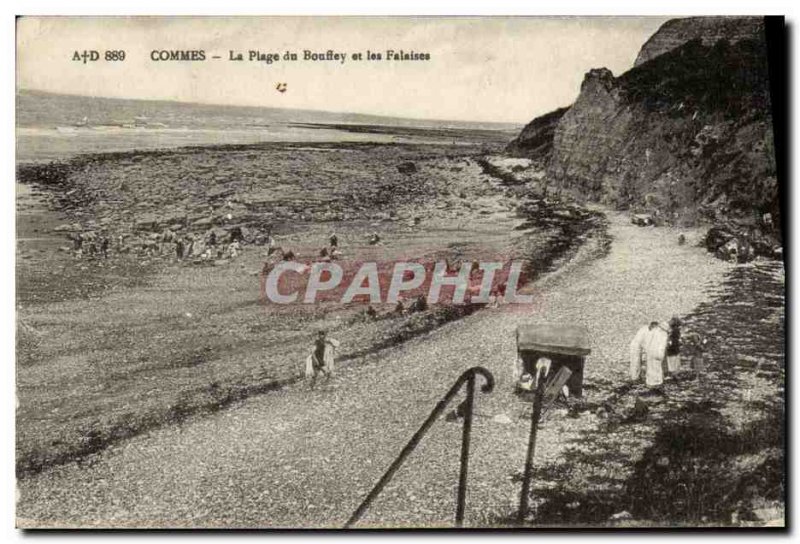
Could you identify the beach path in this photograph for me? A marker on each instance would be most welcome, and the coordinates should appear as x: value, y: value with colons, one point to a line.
x: 300, y: 458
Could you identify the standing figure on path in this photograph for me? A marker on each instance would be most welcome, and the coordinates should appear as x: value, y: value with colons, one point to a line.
x: 233, y: 249
x: 674, y: 346
x: 650, y: 344
x: 321, y: 360
x: 695, y: 347
x: 189, y: 250
x: 334, y: 240
x: 77, y: 242
x: 104, y: 246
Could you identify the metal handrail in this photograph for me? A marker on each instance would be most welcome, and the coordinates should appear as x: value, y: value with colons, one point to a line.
x: 469, y: 377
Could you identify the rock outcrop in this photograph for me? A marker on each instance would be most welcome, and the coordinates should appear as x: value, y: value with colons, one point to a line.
x: 536, y: 139
x: 709, y: 30
x: 684, y: 135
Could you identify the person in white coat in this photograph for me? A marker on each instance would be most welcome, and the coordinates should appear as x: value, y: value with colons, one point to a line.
x: 649, y: 344
x: 637, y: 350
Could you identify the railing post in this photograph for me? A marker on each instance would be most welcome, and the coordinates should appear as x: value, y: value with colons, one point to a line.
x: 465, y: 438
x: 526, y: 477
x: 469, y: 377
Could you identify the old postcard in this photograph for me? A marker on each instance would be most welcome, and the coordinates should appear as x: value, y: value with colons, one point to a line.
x: 400, y: 272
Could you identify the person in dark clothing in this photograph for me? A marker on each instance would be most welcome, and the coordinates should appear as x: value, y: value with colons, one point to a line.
x: 420, y: 304
x: 673, y: 358
x: 236, y: 235
x: 319, y: 350
x: 321, y: 359
x: 104, y: 247
x: 694, y: 347
x: 334, y: 240
x: 212, y: 238
x: 179, y: 248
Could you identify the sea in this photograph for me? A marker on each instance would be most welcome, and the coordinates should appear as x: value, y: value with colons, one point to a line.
x: 55, y: 126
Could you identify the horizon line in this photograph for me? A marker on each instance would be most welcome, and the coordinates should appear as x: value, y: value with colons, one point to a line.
x: 314, y: 110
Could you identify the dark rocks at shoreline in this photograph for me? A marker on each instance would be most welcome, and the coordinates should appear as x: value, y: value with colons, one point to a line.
x: 194, y: 189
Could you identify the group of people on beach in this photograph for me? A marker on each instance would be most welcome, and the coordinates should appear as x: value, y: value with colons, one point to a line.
x: 90, y: 244
x: 320, y: 362
x: 656, y: 347
x: 331, y: 252
x: 205, y: 248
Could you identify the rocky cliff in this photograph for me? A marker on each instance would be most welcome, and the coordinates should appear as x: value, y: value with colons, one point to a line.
x: 685, y: 134
x: 536, y: 139
x: 709, y: 30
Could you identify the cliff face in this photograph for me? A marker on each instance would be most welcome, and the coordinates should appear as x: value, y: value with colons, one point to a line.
x: 709, y: 30
x: 684, y: 135
x: 536, y: 139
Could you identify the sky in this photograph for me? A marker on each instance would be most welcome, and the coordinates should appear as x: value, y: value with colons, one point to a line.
x: 480, y: 69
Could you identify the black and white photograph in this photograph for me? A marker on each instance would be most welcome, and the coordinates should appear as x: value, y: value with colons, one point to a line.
x: 400, y: 272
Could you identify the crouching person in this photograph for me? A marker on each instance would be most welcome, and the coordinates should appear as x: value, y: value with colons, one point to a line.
x: 321, y: 359
x: 529, y: 381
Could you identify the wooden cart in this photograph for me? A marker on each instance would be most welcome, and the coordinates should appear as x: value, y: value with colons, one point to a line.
x: 565, y: 345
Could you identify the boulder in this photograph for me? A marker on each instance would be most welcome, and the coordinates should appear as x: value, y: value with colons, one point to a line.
x: 174, y: 218
x: 202, y: 222
x: 716, y: 237
x: 407, y: 167
x: 148, y: 221
x: 502, y: 419
x: 219, y: 192
x: 739, y: 244
x: 620, y: 516
x: 563, y: 214
x: 642, y: 220
x: 71, y: 227
x: 736, y: 250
